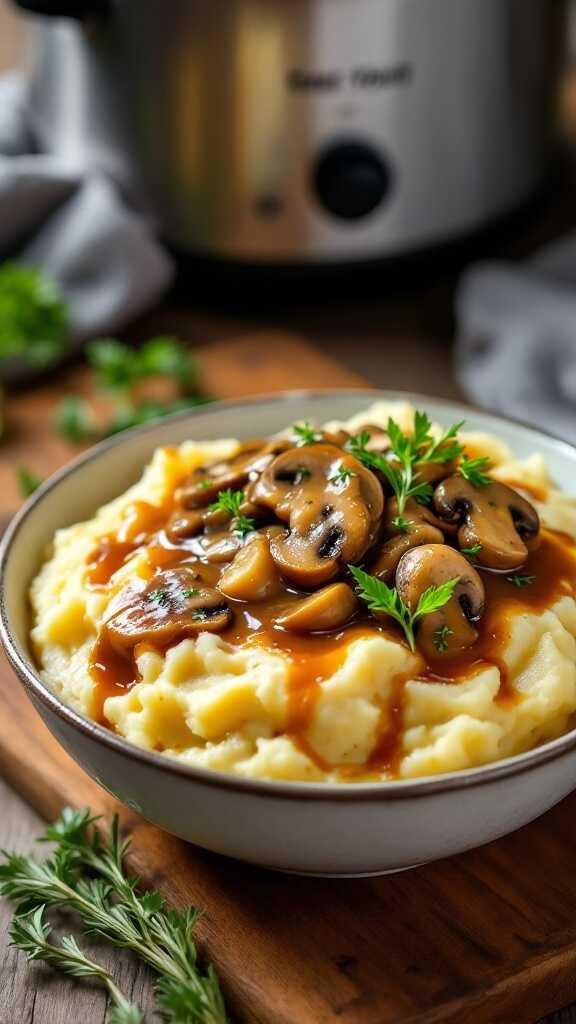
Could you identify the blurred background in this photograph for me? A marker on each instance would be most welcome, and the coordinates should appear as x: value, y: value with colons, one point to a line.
x: 389, y: 183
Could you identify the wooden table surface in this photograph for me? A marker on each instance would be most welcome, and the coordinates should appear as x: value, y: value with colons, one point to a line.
x: 395, y: 331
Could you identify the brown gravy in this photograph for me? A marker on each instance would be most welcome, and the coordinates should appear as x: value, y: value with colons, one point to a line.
x: 314, y: 658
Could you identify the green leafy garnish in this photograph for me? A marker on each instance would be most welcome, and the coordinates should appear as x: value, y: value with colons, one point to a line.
x: 229, y: 501
x: 472, y: 551
x: 31, y: 933
x: 401, y: 478
x: 520, y: 581
x: 28, y: 480
x: 305, y: 434
x: 441, y: 637
x: 147, y: 411
x: 385, y: 600
x: 119, y: 367
x: 341, y: 475
x: 33, y: 316
x: 73, y: 420
x: 191, y: 592
x: 401, y: 524
x: 474, y: 470
x: 159, y: 596
x: 85, y: 876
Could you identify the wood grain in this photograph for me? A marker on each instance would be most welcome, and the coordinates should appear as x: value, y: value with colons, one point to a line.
x: 486, y: 937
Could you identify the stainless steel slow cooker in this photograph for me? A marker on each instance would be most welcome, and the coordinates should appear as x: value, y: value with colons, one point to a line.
x: 303, y: 131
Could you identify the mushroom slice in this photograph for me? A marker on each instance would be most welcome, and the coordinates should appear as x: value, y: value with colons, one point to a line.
x: 217, y: 547
x: 174, y: 605
x: 253, y: 575
x: 333, y: 506
x: 450, y: 630
x: 391, y: 552
x: 328, y: 608
x: 379, y: 439
x: 184, y: 524
x: 495, y: 518
x: 204, y: 484
x: 415, y: 514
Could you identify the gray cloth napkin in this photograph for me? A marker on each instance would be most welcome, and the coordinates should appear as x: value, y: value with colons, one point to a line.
x: 76, y: 226
x: 516, y: 338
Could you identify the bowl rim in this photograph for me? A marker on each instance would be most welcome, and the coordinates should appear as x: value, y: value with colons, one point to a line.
x: 382, y: 790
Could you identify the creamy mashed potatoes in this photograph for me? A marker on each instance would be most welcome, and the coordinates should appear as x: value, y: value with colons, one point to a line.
x: 234, y: 707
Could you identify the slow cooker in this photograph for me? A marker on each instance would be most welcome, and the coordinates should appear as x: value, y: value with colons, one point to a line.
x: 302, y: 131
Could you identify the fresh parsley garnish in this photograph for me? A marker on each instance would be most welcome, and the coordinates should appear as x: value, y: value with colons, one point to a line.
x: 159, y: 596
x: 119, y: 367
x: 474, y: 470
x: 305, y: 434
x: 203, y: 485
x: 229, y: 501
x: 472, y: 551
x: 28, y: 480
x: 441, y: 638
x: 520, y: 581
x: 34, y: 323
x: 385, y: 600
x: 341, y: 475
x: 73, y: 420
x: 401, y: 524
x: 85, y: 875
x: 191, y: 592
x: 402, y: 478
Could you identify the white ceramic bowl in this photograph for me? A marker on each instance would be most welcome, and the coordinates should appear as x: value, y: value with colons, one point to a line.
x: 314, y: 828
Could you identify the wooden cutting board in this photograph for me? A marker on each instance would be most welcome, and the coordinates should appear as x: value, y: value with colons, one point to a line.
x: 483, y: 938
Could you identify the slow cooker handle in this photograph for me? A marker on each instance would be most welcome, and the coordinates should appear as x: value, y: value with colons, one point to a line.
x: 64, y: 8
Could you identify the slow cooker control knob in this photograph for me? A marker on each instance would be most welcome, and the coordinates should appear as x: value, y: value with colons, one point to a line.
x: 351, y: 179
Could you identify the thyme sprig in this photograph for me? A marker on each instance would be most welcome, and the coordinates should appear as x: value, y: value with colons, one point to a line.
x: 85, y: 874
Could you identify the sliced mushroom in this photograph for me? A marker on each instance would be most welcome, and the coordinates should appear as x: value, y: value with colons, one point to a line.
x: 415, y: 514
x: 184, y: 524
x: 216, y: 547
x: 495, y: 518
x: 379, y: 439
x: 253, y: 575
x: 328, y: 608
x: 450, y: 630
x: 391, y: 552
x: 204, y: 484
x: 174, y: 605
x: 333, y: 506
x: 336, y: 437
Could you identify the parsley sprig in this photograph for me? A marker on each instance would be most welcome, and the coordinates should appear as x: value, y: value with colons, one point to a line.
x: 230, y: 501
x: 385, y: 600
x: 475, y: 470
x: 519, y: 581
x: 305, y: 434
x: 410, y: 451
x: 28, y: 481
x: 85, y: 875
x: 34, y: 319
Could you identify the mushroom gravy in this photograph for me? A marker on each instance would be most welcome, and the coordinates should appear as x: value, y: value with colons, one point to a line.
x: 234, y: 608
x: 315, y: 656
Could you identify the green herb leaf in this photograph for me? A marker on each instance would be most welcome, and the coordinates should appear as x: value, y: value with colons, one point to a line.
x: 28, y: 480
x: 33, y: 316
x: 435, y: 598
x: 474, y: 470
x: 341, y: 475
x: 32, y: 934
x: 229, y: 501
x: 73, y: 420
x: 385, y: 600
x: 119, y: 366
x: 521, y: 581
x: 305, y: 434
x: 471, y: 552
x: 159, y: 596
x: 191, y: 592
x: 128, y: 416
x: 85, y: 875
x: 401, y: 524
x: 441, y: 637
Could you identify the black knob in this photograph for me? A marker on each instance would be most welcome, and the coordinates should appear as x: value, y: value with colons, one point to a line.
x: 351, y: 179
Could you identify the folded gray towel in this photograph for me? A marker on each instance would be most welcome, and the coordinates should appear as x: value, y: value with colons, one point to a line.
x: 516, y: 339
x: 103, y: 255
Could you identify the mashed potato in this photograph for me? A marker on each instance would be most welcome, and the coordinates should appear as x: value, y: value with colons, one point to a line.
x: 208, y: 703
